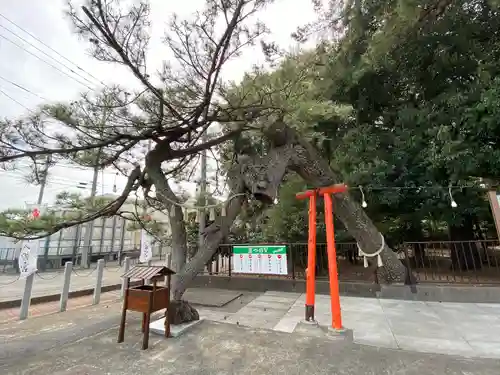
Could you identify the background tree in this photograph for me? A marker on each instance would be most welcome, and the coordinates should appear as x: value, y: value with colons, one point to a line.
x: 417, y: 82
x: 417, y: 78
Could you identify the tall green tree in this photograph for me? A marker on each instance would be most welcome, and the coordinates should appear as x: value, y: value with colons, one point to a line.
x: 418, y: 77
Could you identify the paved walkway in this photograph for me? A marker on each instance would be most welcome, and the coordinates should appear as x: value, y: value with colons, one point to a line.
x: 449, y: 328
x: 12, y: 314
x: 60, y: 343
x: 49, y: 283
x: 84, y: 342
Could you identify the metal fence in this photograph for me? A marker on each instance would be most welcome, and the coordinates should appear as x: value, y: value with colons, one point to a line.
x: 55, y: 257
x: 466, y: 262
x: 469, y: 262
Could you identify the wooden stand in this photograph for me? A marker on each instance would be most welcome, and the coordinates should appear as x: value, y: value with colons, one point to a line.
x: 146, y: 299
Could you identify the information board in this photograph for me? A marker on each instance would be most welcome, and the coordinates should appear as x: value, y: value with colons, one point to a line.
x: 260, y: 259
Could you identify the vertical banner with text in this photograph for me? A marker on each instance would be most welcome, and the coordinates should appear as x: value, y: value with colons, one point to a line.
x: 146, y: 247
x: 28, y: 258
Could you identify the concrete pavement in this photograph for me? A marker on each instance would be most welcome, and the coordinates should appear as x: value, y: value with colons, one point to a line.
x: 84, y: 342
x: 41, y: 309
x: 471, y: 330
x: 199, y: 296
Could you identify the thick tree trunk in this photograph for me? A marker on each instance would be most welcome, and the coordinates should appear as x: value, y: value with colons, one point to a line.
x: 316, y: 171
x: 181, y: 312
x: 178, y: 229
x: 261, y: 178
x: 257, y: 176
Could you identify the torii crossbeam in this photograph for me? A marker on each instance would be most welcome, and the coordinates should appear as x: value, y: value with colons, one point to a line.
x: 326, y: 192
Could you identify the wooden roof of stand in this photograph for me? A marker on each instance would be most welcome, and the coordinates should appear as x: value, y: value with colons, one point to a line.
x: 147, y: 272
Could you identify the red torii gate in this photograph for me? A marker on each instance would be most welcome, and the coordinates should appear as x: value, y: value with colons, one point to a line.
x: 331, y: 252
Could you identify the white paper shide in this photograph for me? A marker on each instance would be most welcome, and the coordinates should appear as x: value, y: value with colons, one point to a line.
x: 28, y: 258
x: 146, y: 247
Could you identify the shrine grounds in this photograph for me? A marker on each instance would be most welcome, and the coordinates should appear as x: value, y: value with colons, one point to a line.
x: 83, y: 341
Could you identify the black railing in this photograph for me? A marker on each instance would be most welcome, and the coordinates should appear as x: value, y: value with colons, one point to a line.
x: 464, y: 262
x: 473, y: 262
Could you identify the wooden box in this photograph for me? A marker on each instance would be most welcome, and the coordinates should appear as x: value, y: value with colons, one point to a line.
x: 146, y: 299
x: 138, y: 298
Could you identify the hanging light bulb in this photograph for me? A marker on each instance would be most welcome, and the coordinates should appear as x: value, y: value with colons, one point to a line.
x: 363, y: 201
x: 276, y: 201
x: 212, y: 214
x: 453, y: 203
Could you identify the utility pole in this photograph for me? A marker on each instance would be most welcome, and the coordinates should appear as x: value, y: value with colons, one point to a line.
x: 144, y: 208
x: 87, y: 241
x: 25, y: 302
x: 43, y: 183
x: 203, y: 193
x: 39, y: 201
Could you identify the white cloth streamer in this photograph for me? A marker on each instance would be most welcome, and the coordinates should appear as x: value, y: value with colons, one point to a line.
x: 28, y: 258
x: 146, y: 247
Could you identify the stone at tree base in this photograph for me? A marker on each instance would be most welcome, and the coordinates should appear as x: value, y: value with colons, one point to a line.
x: 158, y: 327
x: 182, y: 312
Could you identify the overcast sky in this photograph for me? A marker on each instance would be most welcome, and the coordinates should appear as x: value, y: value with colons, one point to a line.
x: 45, y: 20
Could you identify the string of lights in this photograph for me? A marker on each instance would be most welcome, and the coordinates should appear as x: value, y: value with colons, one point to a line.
x: 448, y: 188
x: 362, y: 189
x: 424, y: 187
x: 211, y: 208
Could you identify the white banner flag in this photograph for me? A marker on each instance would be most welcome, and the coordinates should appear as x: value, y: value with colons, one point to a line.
x: 28, y: 258
x: 146, y: 247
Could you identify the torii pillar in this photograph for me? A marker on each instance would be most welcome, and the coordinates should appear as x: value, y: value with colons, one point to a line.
x: 326, y: 192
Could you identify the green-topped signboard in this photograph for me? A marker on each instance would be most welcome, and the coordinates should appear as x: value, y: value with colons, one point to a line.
x: 260, y: 259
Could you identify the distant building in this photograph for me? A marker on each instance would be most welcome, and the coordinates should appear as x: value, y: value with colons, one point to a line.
x: 110, y: 237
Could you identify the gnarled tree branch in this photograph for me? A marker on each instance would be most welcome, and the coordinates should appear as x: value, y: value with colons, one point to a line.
x: 259, y: 176
x: 315, y: 170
